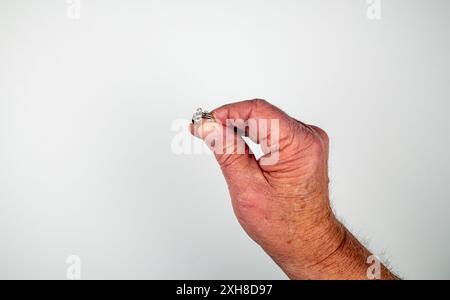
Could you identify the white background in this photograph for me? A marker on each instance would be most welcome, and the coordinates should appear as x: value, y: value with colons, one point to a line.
x: 86, y: 108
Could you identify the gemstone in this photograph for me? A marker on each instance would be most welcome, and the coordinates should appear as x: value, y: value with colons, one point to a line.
x: 198, y: 115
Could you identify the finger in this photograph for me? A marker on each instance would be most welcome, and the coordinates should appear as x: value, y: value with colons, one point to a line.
x: 241, y: 113
x: 238, y: 164
x: 262, y: 122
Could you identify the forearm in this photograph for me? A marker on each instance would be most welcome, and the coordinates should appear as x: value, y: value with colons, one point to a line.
x: 337, y: 255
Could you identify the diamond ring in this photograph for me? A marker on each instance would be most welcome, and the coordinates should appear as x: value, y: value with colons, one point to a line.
x: 201, y: 114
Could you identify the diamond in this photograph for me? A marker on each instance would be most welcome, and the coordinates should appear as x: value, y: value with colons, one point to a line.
x: 201, y: 114
x: 197, y: 117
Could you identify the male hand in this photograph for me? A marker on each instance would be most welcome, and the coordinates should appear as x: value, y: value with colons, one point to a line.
x: 282, y: 199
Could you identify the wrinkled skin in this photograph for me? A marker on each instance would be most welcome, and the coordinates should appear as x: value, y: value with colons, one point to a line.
x: 284, y: 206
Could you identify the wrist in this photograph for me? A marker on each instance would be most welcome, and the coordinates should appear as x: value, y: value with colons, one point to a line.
x: 318, y: 250
x: 335, y: 255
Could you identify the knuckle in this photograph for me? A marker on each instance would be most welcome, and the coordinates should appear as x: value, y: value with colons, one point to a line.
x: 315, y: 141
x: 259, y: 102
x: 322, y: 134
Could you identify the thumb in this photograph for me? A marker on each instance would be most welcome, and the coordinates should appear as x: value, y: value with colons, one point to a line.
x: 238, y: 164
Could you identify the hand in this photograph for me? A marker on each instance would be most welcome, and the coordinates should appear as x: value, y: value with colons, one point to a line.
x: 282, y: 199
